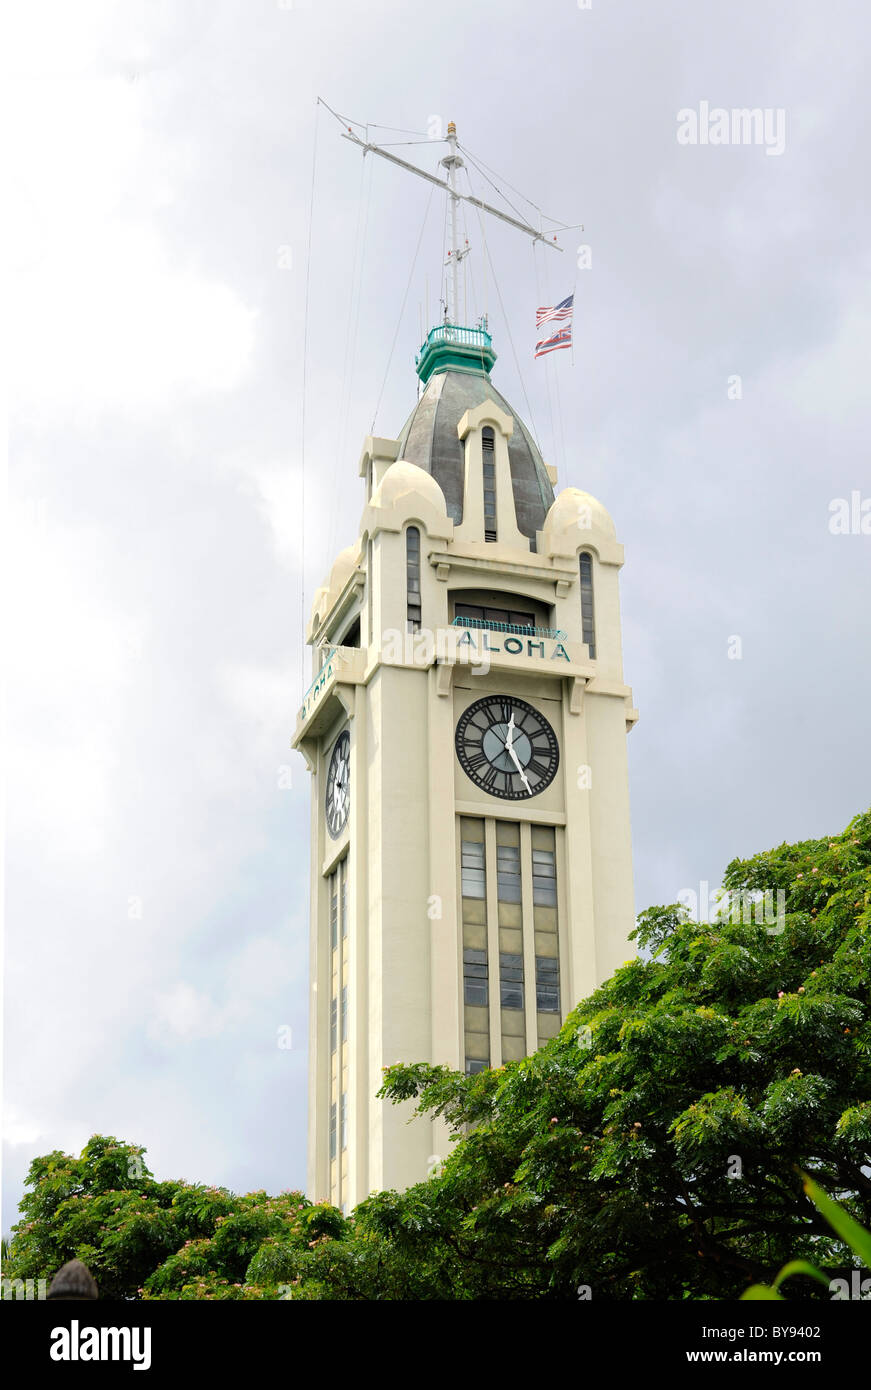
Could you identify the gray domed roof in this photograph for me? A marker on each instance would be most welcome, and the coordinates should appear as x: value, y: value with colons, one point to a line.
x: 429, y: 439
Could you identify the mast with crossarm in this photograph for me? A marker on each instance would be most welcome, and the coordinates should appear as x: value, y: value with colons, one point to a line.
x: 453, y: 162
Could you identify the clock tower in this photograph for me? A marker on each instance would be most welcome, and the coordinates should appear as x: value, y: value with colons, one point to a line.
x: 465, y: 731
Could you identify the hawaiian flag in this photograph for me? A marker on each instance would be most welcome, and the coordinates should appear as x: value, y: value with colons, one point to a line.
x: 559, y: 313
x: 562, y: 339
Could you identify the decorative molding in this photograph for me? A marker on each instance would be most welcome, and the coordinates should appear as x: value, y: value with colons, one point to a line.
x: 509, y: 812
x: 444, y: 676
x: 577, y: 686
x: 487, y: 413
x: 308, y: 747
x: 376, y: 448
x: 346, y: 696
x: 491, y: 562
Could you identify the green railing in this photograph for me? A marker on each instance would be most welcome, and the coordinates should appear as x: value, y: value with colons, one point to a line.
x: 556, y: 634
x: 321, y: 675
x: 463, y: 337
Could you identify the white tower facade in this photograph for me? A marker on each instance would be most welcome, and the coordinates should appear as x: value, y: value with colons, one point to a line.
x: 471, y: 871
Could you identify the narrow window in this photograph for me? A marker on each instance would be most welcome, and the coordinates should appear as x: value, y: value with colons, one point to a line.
x: 489, y: 458
x: 511, y: 980
x: 334, y: 913
x: 475, y: 977
x: 522, y: 620
x: 509, y: 619
x: 352, y: 636
x: 474, y: 1065
x: 473, y: 870
x: 344, y: 1119
x: 544, y: 877
x: 344, y: 871
x: 547, y: 985
x: 508, y: 873
x: 412, y: 578
x: 333, y: 1130
x: 588, y: 630
x: 344, y: 1013
x: 334, y: 1004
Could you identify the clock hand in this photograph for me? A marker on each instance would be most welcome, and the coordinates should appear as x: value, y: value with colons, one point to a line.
x: 509, y: 748
x: 520, y: 769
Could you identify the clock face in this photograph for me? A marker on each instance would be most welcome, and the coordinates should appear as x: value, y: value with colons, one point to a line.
x: 338, y: 799
x: 506, y: 747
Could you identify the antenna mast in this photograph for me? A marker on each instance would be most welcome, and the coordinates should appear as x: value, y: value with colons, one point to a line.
x: 452, y: 162
x: 452, y: 340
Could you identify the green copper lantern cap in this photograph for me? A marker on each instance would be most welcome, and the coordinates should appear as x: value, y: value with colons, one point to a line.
x: 451, y: 348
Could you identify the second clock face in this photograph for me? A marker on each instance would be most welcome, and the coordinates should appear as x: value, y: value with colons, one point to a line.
x: 338, y: 799
x: 506, y: 747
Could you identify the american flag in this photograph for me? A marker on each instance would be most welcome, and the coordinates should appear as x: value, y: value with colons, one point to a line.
x: 558, y: 314
x: 561, y: 339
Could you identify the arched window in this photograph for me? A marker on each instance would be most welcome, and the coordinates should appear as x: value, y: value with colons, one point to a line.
x: 588, y: 627
x: 488, y: 446
x: 412, y: 577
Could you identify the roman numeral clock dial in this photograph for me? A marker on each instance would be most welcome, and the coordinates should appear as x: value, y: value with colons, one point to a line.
x: 506, y: 747
x: 338, y: 797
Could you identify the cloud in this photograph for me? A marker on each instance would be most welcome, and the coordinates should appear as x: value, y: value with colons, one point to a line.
x: 276, y: 492
x: 107, y: 317
x: 153, y: 333
x: 71, y: 652
x: 185, y: 1014
x: 19, y: 1127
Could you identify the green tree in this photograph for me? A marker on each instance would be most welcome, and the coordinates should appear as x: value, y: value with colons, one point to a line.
x: 147, y: 1239
x: 653, y: 1149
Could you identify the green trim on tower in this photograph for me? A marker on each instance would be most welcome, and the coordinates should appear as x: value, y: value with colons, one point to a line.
x: 455, y: 349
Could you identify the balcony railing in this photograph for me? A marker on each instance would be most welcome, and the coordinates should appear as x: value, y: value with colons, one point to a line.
x: 331, y: 651
x: 556, y: 634
x: 462, y: 337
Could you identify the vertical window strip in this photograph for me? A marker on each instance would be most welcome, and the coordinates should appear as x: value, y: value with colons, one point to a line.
x: 508, y: 873
x: 547, y: 985
x: 475, y: 989
x: 474, y: 873
x: 333, y: 1130
x: 344, y: 1121
x: 334, y: 909
x: 344, y: 1013
x: 588, y: 629
x: 412, y: 578
x: 511, y: 980
x: 488, y: 454
x: 334, y: 1004
x: 544, y: 877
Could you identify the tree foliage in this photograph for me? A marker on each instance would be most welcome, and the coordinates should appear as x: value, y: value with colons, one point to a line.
x: 654, y: 1149
x: 147, y: 1239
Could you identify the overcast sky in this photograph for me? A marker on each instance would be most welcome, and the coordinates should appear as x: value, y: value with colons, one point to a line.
x: 156, y: 875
